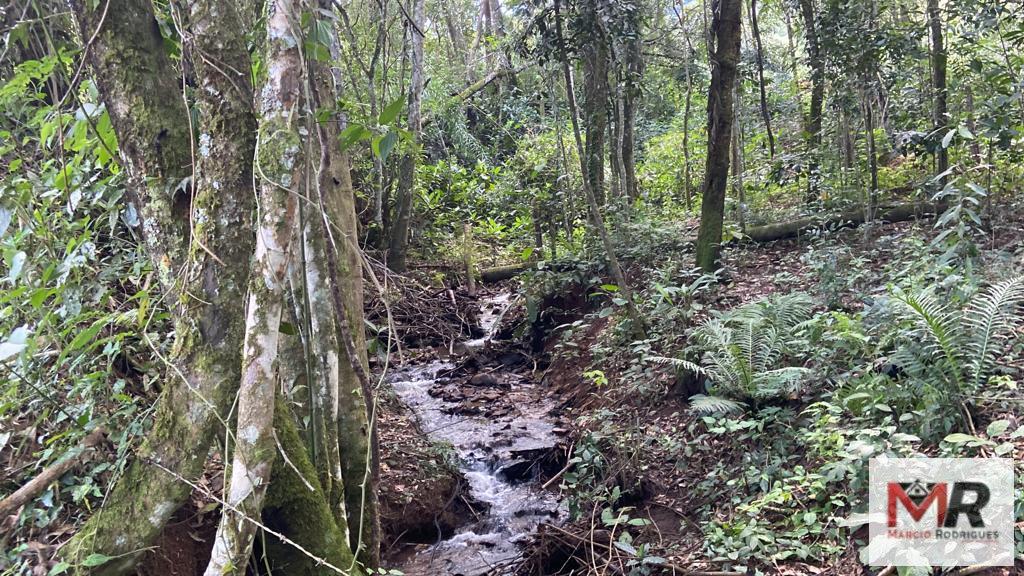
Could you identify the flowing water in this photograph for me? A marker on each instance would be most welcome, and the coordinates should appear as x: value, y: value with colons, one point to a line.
x: 494, y: 453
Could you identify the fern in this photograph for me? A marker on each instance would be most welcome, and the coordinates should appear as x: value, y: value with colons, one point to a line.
x: 990, y: 317
x: 950, y: 352
x: 715, y: 405
x: 741, y: 351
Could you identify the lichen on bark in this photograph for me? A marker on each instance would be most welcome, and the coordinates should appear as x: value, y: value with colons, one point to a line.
x: 139, y: 85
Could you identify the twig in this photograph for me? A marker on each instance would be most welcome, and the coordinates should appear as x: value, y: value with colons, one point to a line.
x: 51, y: 474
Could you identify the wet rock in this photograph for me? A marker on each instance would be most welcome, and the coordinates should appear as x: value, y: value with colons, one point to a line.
x: 517, y: 471
x: 486, y: 379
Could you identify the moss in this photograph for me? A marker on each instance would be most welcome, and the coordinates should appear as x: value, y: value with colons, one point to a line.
x: 302, y: 515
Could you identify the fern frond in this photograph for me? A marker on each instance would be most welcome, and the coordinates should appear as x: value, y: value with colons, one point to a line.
x: 781, y: 382
x: 702, y: 404
x: 937, y: 326
x: 678, y: 363
x: 790, y: 310
x: 990, y: 316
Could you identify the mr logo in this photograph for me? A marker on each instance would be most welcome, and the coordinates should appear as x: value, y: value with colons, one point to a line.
x: 917, y: 497
x: 940, y: 512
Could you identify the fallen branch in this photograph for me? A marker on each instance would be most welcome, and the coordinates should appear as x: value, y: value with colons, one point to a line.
x: 48, y: 476
x: 675, y: 568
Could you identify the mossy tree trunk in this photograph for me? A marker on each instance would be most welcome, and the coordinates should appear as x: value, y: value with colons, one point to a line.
x: 299, y: 508
x: 199, y: 237
x: 595, y: 99
x: 281, y: 169
x: 724, y: 53
x: 350, y: 417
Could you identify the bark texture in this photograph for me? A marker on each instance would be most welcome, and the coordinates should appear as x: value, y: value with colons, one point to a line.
x: 407, y: 173
x: 298, y: 508
x: 281, y: 167
x: 200, y: 241
x: 812, y: 126
x: 341, y: 346
x: 724, y: 54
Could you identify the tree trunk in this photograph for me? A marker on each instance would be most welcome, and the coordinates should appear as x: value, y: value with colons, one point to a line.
x: 765, y: 114
x: 281, y: 166
x: 737, y: 165
x: 138, y: 83
x: 687, y: 180
x: 869, y: 127
x: 633, y: 78
x: 813, y: 121
x: 407, y: 176
x: 595, y: 100
x: 939, y: 110
x: 334, y: 239
x: 724, y: 54
x: 847, y: 219
x: 595, y: 209
x: 298, y: 508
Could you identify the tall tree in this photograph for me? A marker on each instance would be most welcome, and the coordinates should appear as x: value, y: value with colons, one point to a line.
x: 592, y: 203
x: 812, y: 124
x: 940, y: 94
x: 632, y: 90
x: 595, y: 95
x: 337, y: 272
x: 724, y: 53
x: 765, y: 113
x: 407, y: 175
x: 281, y: 167
x: 198, y: 232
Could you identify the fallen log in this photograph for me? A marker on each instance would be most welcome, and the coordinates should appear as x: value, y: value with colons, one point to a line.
x: 499, y: 273
x: 846, y: 219
x: 35, y: 486
x: 779, y: 231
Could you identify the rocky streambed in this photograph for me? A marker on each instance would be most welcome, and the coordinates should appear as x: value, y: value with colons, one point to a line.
x: 484, y: 401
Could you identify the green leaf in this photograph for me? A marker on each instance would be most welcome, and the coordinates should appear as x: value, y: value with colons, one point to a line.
x: 959, y: 438
x: 997, y: 427
x: 948, y: 138
x: 96, y: 559
x: 354, y: 133
x: 609, y: 287
x: 59, y: 568
x: 526, y: 254
x: 390, y: 112
x: 387, y: 144
x: 84, y: 337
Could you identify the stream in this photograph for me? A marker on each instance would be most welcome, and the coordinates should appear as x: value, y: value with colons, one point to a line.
x: 499, y: 425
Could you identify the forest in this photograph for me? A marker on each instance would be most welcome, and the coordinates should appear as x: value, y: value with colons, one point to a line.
x: 512, y: 287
